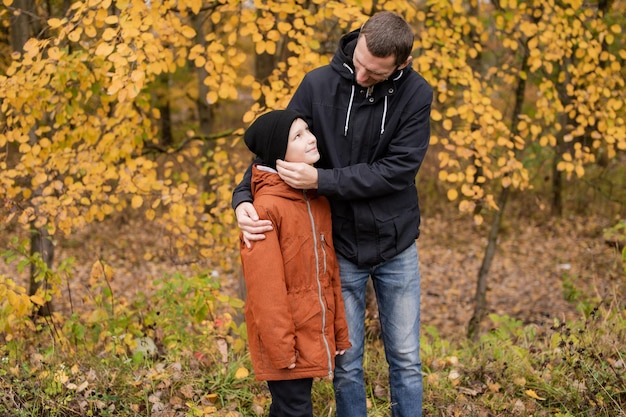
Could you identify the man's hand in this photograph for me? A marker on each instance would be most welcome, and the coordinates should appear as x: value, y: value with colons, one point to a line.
x: 249, y: 223
x: 298, y: 175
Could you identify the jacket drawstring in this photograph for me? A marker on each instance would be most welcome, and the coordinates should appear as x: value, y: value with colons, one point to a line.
x: 382, y: 123
x: 384, y: 118
x: 345, y: 128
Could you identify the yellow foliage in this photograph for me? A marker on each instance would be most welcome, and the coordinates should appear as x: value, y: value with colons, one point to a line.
x: 82, y: 108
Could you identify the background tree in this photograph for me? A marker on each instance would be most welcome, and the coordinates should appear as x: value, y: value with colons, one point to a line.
x: 139, y: 107
x: 493, y: 139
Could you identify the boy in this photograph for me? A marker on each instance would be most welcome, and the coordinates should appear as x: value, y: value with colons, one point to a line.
x: 294, y: 310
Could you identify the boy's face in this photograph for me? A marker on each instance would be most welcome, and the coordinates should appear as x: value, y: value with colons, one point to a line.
x: 302, y: 144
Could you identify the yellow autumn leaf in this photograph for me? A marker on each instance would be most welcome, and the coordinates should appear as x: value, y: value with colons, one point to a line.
x: 104, y: 49
x: 54, y: 22
x: 108, y: 272
x: 241, y: 373
x: 109, y: 34
x: 111, y: 20
x: 260, y: 47
x: 211, y: 397
x: 188, y: 32
x: 216, y: 17
x: 270, y: 47
x: 532, y: 394
x: 453, y: 194
x: 116, y: 85
x: 137, y: 201
x: 284, y: 27
x: 37, y: 299
x: 17, y: 302
x: 39, y: 179
x: 211, y: 97
x: 74, y: 35
x: 580, y: 171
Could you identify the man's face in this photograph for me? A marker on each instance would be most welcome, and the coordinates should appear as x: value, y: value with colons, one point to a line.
x: 370, y: 69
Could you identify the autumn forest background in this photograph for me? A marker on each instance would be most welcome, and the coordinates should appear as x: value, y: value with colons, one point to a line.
x: 120, y: 144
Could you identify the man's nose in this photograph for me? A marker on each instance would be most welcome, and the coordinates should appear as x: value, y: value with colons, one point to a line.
x: 361, y: 75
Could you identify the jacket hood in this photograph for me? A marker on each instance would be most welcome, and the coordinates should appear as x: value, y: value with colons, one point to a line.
x: 343, y: 64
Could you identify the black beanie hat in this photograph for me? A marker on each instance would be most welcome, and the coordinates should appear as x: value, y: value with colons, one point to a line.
x: 267, y: 137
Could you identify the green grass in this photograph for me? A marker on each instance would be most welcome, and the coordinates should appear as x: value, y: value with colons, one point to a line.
x: 568, y: 369
x: 90, y: 365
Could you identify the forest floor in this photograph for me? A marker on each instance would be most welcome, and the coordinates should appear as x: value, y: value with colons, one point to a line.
x: 539, y: 273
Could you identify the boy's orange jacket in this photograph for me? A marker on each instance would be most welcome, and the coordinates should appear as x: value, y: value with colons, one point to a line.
x: 294, y: 309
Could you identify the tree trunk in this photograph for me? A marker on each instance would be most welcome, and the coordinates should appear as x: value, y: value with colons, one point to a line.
x: 557, y: 190
x: 165, y: 109
x: 23, y: 26
x: 480, y: 299
x: 205, y: 116
x: 41, y: 243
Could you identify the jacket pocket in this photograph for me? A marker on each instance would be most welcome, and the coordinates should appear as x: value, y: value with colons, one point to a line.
x: 396, y: 218
x: 307, y: 316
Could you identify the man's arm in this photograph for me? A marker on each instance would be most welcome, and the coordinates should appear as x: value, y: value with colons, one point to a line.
x: 390, y: 173
x: 248, y: 221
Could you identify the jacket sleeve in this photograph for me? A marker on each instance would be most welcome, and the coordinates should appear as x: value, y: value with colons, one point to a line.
x: 264, y: 275
x: 393, y: 170
x: 243, y: 191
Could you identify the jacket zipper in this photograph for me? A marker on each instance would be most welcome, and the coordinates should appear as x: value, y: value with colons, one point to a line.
x: 319, y: 284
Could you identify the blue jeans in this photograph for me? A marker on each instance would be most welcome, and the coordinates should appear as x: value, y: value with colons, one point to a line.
x: 397, y: 287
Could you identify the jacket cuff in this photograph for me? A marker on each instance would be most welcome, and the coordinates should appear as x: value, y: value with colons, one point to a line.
x: 325, y: 182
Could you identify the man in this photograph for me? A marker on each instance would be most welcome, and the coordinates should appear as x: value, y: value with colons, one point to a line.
x: 371, y: 114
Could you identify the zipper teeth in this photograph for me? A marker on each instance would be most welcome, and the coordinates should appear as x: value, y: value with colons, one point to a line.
x: 319, y: 284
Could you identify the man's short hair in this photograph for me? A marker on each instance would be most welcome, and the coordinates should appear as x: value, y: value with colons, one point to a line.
x: 388, y: 34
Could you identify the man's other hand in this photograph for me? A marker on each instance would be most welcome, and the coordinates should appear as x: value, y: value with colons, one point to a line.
x: 248, y: 221
x: 298, y: 175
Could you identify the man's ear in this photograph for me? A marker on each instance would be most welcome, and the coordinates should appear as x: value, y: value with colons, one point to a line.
x: 407, y: 62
